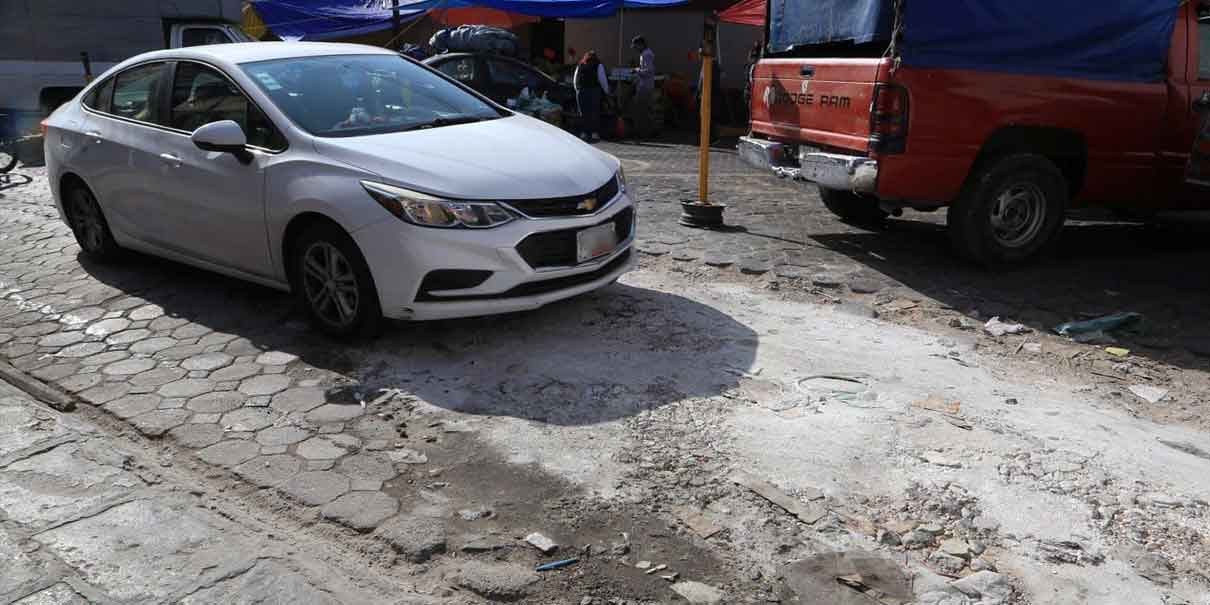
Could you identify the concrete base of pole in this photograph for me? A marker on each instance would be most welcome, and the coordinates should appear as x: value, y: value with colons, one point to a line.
x: 702, y: 216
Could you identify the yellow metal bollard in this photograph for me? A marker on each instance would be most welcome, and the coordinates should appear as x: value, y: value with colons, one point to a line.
x: 703, y: 164
x: 702, y: 213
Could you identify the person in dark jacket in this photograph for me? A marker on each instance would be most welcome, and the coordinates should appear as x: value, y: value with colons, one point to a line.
x: 591, y: 86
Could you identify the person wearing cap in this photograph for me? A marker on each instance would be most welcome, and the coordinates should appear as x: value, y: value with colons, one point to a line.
x: 640, y: 109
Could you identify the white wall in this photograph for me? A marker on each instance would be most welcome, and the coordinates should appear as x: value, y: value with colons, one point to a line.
x: 672, y: 33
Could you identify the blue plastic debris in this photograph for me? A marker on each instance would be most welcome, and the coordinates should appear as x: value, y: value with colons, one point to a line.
x: 1107, y: 323
x: 556, y: 564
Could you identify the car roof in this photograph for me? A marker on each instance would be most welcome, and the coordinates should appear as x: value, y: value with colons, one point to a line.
x: 486, y: 55
x: 247, y: 52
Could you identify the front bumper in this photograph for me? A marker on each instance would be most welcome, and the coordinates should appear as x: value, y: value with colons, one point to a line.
x: 831, y: 170
x: 400, y: 255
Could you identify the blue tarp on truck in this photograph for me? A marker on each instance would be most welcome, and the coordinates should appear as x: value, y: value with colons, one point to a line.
x: 1125, y: 40
x: 808, y: 22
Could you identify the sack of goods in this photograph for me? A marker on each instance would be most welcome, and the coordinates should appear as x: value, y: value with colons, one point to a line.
x: 475, y: 38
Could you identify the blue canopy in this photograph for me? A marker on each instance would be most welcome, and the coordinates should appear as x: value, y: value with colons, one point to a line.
x: 1125, y: 40
x: 328, y: 19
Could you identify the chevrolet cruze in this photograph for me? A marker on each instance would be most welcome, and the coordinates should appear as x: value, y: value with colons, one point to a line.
x: 365, y: 183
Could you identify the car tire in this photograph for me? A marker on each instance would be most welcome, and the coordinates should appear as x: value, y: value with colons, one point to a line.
x: 88, y: 224
x: 852, y: 207
x: 1010, y: 210
x: 331, y: 280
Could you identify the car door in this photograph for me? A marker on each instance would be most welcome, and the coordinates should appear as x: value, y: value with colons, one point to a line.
x: 212, y: 204
x: 118, y: 150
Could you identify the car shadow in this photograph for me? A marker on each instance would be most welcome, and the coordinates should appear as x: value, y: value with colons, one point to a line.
x: 602, y: 356
x: 1094, y: 269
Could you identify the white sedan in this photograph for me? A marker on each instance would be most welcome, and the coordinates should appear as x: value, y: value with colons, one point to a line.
x: 366, y: 183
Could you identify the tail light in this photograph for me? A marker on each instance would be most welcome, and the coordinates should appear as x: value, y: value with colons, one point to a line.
x: 44, y: 126
x: 889, y: 119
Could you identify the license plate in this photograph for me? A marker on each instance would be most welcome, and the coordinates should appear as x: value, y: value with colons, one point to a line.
x: 596, y: 241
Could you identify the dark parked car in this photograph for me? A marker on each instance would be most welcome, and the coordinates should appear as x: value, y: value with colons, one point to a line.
x: 502, y: 78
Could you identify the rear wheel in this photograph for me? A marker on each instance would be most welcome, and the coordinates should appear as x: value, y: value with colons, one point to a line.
x: 333, y: 282
x: 852, y: 207
x: 88, y: 223
x: 1010, y: 210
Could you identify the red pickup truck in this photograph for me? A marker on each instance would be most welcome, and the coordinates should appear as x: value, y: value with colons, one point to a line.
x: 920, y: 117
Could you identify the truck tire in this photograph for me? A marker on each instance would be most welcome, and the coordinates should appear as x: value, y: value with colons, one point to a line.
x: 852, y: 207
x: 1009, y: 210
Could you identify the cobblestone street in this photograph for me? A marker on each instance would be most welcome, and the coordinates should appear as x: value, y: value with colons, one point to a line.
x: 430, y: 453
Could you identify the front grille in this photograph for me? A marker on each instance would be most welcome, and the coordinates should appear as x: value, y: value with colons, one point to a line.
x: 558, y: 248
x: 535, y: 288
x: 575, y: 205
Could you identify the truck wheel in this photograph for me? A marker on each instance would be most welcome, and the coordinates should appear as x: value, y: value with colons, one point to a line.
x: 852, y: 207
x: 1009, y: 211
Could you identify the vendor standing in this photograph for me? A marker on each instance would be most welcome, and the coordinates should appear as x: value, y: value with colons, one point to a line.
x: 591, y: 84
x: 640, y: 109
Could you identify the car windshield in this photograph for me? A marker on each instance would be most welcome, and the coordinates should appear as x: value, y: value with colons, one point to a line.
x: 355, y: 95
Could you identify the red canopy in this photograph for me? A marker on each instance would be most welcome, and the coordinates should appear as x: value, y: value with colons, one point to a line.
x: 481, y: 16
x: 746, y: 12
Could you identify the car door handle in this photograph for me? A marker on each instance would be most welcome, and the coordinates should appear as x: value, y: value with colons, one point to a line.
x: 94, y: 135
x: 171, y: 159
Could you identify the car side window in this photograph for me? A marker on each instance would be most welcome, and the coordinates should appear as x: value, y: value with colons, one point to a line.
x: 200, y: 36
x: 201, y: 95
x: 136, y: 93
x: 462, y: 69
x: 512, y: 74
x: 100, y: 97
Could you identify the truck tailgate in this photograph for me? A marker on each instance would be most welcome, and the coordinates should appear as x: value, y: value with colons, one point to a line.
x: 821, y: 101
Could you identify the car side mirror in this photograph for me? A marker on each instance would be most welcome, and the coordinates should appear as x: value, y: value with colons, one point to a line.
x: 224, y: 136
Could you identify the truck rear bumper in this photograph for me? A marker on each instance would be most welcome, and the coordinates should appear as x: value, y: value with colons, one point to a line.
x: 831, y: 170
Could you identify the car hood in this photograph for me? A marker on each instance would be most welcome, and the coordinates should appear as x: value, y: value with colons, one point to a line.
x: 515, y: 157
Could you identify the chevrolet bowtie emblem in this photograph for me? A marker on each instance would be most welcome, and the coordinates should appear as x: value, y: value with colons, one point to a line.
x: 588, y: 204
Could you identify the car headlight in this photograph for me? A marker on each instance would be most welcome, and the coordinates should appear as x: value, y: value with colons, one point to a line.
x: 621, y: 178
x: 428, y: 211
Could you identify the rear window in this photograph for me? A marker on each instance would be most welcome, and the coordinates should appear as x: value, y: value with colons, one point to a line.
x: 136, y: 93
x: 201, y: 36
x: 99, y: 98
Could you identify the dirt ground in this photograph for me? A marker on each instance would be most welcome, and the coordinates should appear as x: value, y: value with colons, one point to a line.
x: 800, y: 411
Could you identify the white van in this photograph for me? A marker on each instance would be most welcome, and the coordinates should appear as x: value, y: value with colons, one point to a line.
x: 48, y: 44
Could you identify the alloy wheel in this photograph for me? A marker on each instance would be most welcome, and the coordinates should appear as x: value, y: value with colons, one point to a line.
x: 330, y: 284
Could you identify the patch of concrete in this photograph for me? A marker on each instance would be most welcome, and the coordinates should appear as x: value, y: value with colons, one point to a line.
x: 147, y: 550
x: 58, y: 594
x: 60, y: 484
x: 266, y: 582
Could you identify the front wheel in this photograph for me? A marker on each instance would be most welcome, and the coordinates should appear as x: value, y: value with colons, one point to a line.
x: 852, y: 207
x: 333, y: 283
x: 1010, y: 210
